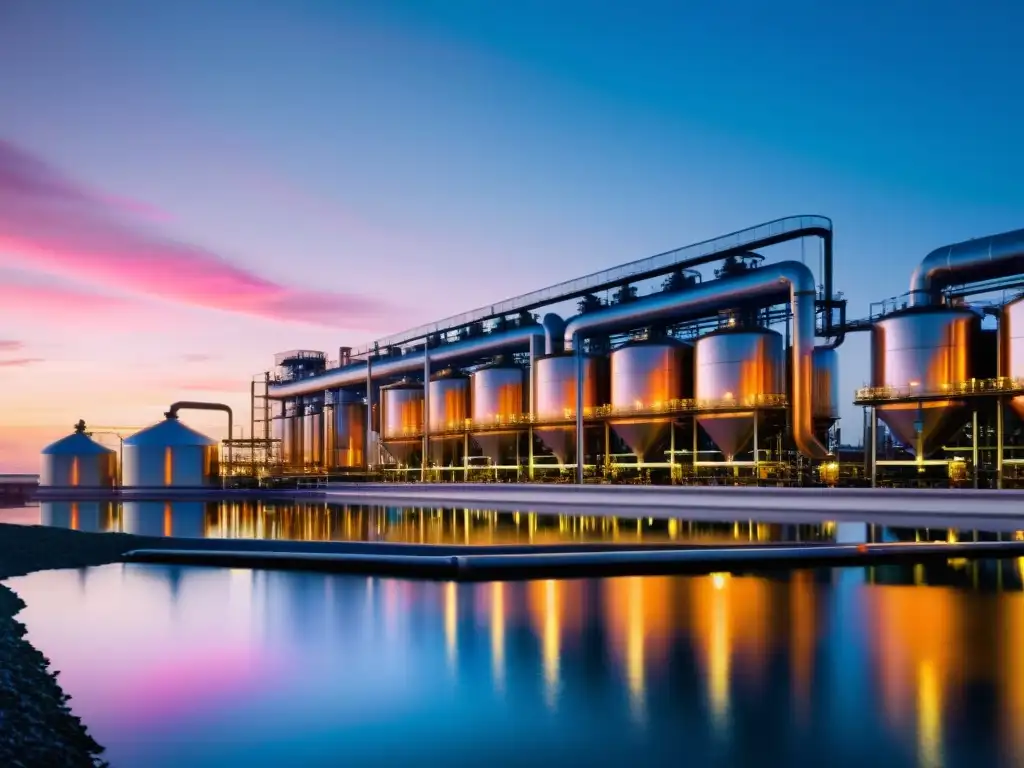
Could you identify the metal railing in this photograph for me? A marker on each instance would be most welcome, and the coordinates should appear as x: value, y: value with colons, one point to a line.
x: 997, y: 386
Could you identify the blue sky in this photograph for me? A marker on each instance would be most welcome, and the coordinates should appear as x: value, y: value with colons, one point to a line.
x: 430, y: 157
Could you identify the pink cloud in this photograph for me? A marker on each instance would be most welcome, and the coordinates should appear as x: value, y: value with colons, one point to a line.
x: 50, y: 223
x: 9, y: 345
x: 19, y: 292
x: 19, y: 362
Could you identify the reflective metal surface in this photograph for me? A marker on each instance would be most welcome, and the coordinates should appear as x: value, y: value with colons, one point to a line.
x: 742, y: 365
x: 984, y: 258
x: 170, y: 454
x: 499, y: 395
x: 78, y: 461
x: 825, y: 397
x: 927, y: 350
x: 1011, y: 340
x: 449, y: 401
x: 185, y: 519
x: 763, y: 285
x: 89, y: 516
x: 648, y: 374
x: 345, y: 436
x: 555, y: 399
x: 313, y: 436
x: 402, y: 419
x: 292, y: 444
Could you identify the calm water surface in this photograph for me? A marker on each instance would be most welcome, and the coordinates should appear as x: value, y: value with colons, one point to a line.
x: 888, y: 666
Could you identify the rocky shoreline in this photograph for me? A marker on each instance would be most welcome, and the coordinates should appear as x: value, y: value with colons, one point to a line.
x: 37, y: 726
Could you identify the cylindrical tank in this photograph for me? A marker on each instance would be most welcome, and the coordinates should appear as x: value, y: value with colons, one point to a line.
x: 293, y: 443
x: 825, y: 386
x: 647, y: 376
x: 740, y: 366
x: 917, y: 351
x: 313, y: 436
x: 498, y: 398
x: 345, y: 438
x: 92, y: 516
x: 555, y: 399
x: 449, y: 411
x: 78, y: 461
x: 170, y: 454
x: 184, y: 519
x: 402, y: 419
x: 279, y: 431
x: 1011, y: 340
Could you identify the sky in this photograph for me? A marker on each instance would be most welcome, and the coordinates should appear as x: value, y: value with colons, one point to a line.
x: 187, y: 188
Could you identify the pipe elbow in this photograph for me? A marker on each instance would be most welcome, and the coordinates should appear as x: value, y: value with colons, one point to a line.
x: 554, y: 330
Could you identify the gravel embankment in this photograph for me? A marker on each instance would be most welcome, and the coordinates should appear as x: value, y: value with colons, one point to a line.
x: 37, y: 727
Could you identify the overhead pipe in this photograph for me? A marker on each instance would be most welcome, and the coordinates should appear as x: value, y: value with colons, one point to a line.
x: 194, y: 405
x: 513, y: 340
x: 984, y: 258
x: 764, y: 284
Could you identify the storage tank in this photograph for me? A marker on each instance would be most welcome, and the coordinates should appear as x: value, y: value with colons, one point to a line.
x: 923, y: 350
x: 647, y: 376
x: 1011, y: 340
x: 739, y: 366
x: 825, y: 384
x: 169, y: 454
x: 345, y: 436
x: 313, y: 435
x: 402, y: 404
x: 78, y: 461
x: 449, y: 411
x: 498, y: 397
x: 92, y: 516
x: 185, y: 519
x: 292, y: 443
x: 555, y: 399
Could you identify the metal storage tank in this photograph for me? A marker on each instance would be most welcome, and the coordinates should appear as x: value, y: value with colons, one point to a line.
x: 345, y: 436
x: 186, y: 519
x: 78, y: 461
x: 313, y: 435
x: 292, y: 444
x: 402, y: 406
x: 923, y: 350
x: 169, y: 454
x: 741, y: 366
x: 825, y: 384
x: 646, y: 376
x: 555, y: 400
x: 92, y: 516
x: 498, y: 397
x: 449, y: 411
x: 1011, y: 340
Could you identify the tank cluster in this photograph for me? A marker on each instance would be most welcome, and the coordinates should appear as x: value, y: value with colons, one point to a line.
x: 167, y: 454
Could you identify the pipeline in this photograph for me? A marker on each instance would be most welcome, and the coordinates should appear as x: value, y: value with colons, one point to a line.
x: 191, y: 405
x: 759, y: 285
x: 984, y: 258
x: 514, y: 340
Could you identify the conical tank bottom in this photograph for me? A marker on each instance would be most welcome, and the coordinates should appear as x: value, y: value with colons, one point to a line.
x: 561, y: 441
x: 940, y: 420
x: 498, y: 447
x: 641, y: 435
x: 403, y: 451
x: 729, y: 431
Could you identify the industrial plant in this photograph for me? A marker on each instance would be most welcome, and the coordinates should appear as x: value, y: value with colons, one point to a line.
x: 656, y: 374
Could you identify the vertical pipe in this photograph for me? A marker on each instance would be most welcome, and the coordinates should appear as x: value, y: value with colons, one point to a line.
x: 534, y: 342
x: 693, y: 422
x: 999, y: 442
x: 252, y: 426
x: 369, y: 411
x: 874, y: 446
x: 974, y: 446
x: 465, y: 455
x: 757, y: 473
x: 578, y: 348
x: 607, y: 447
x: 426, y: 410
x: 672, y: 452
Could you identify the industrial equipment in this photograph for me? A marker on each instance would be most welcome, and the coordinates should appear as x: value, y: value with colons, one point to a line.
x: 448, y: 417
x: 499, y: 404
x: 78, y: 461
x: 402, y: 421
x: 556, y: 398
x: 169, y: 454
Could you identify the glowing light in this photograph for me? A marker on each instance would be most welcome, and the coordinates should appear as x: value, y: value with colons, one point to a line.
x: 929, y: 716
x: 74, y: 471
x: 451, y: 622
x: 552, y: 640
x: 498, y: 633
x: 168, y: 465
x: 635, y: 673
x: 719, y: 579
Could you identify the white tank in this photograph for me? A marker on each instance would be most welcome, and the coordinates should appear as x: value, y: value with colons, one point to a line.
x: 78, y: 461
x: 169, y: 454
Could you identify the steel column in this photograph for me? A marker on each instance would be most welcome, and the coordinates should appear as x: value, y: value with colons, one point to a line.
x: 369, y: 413
x: 1000, y: 437
x: 577, y: 346
x: 757, y: 474
x: 426, y: 411
x: 974, y: 445
x: 874, y: 446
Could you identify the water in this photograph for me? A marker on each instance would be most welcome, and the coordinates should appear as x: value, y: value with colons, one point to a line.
x: 887, y: 666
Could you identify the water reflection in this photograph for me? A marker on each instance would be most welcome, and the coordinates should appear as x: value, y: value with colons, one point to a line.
x: 217, y: 666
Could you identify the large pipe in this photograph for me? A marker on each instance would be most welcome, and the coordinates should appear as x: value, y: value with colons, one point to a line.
x: 192, y: 405
x: 514, y: 340
x: 763, y: 285
x: 985, y: 258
